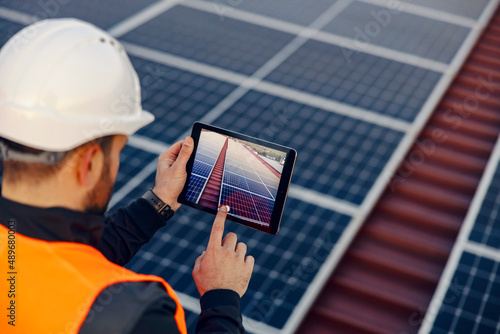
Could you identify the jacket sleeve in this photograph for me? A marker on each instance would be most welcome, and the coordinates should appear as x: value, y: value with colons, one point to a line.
x: 220, y: 313
x: 128, y: 229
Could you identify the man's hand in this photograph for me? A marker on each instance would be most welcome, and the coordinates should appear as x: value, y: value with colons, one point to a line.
x: 223, y: 265
x: 171, y: 173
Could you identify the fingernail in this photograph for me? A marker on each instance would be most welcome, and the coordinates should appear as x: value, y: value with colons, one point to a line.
x: 224, y: 208
x: 228, y: 208
x: 220, y: 205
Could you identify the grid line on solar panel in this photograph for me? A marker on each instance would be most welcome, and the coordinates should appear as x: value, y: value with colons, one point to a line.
x: 472, y: 302
x: 193, y: 34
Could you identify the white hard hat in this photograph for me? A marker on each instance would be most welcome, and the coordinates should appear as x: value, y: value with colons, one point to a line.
x: 64, y: 82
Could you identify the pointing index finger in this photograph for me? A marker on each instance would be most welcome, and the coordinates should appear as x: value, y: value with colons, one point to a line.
x: 218, y: 228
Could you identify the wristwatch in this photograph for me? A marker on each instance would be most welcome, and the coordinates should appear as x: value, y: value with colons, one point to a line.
x: 161, y: 207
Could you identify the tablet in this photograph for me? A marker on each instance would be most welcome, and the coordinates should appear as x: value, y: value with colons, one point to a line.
x: 250, y: 175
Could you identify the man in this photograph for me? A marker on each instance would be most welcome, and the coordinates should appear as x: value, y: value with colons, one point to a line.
x: 69, y: 97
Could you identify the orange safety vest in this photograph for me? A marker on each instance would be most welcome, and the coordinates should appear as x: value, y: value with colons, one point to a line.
x: 49, y: 287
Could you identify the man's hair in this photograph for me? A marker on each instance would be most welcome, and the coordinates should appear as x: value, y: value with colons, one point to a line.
x: 14, y: 171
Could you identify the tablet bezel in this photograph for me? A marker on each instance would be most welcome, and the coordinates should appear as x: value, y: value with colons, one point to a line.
x: 283, y: 187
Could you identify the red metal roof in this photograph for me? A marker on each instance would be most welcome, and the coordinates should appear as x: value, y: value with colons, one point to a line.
x: 387, y: 277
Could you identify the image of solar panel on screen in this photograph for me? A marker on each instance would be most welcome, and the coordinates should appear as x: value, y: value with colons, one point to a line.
x: 243, y: 175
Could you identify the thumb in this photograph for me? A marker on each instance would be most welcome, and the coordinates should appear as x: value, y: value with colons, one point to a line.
x: 197, y: 263
x: 184, y: 154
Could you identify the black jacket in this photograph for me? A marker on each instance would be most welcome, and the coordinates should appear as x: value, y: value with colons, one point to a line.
x: 132, y: 307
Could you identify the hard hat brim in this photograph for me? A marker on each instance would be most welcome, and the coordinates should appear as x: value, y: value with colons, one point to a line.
x: 29, y: 127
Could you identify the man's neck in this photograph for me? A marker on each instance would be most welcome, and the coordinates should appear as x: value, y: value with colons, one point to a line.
x: 43, y: 195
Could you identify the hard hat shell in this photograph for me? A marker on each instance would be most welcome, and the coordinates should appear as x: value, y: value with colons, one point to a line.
x: 64, y: 82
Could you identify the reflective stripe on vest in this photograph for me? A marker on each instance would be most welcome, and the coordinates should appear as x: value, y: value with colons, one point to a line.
x: 53, y: 285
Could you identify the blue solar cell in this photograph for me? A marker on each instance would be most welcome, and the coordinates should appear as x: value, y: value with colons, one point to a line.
x: 296, y: 11
x: 486, y: 229
x: 204, y: 37
x: 103, y: 13
x: 471, y: 9
x: 206, y: 159
x: 177, y: 98
x: 272, y: 190
x: 258, y: 188
x: 7, y: 30
x: 359, y: 79
x: 470, y: 306
x: 241, y: 203
x: 235, y: 180
x: 233, y: 169
x: 413, y: 34
x: 337, y: 155
x: 250, y: 175
x: 307, y: 232
x: 202, y: 169
x: 195, y: 187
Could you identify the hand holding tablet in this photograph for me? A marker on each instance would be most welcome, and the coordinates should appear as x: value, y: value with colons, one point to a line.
x: 250, y: 175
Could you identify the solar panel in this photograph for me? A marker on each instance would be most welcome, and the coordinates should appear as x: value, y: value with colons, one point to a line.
x: 227, y: 43
x: 472, y: 9
x: 177, y: 98
x: 250, y: 66
x: 103, y: 13
x: 358, y: 79
x: 486, y: 229
x: 247, y: 181
x: 296, y: 11
x: 8, y: 29
x: 409, y: 33
x: 337, y: 155
x: 132, y: 161
x: 472, y: 303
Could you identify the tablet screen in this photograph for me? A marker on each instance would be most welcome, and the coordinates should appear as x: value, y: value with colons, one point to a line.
x: 244, y: 174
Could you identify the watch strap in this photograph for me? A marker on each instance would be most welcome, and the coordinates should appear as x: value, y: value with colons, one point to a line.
x: 161, y: 207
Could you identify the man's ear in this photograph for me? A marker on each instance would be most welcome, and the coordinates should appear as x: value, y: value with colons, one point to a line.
x: 89, y: 166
